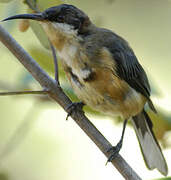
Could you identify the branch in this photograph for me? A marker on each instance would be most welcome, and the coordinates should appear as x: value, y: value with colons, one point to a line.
x: 56, y: 93
x: 32, y: 5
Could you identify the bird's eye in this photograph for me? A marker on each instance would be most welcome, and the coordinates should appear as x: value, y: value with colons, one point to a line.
x: 60, y: 19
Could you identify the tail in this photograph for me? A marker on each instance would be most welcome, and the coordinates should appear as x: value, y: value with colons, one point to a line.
x: 150, y: 148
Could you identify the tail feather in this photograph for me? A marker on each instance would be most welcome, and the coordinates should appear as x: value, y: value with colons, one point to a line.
x: 150, y: 148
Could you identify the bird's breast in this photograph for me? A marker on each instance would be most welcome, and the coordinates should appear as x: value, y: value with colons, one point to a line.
x: 97, y: 85
x: 75, y: 61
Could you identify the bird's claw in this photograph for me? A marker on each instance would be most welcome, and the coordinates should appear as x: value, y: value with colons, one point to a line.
x: 114, y: 151
x: 76, y: 106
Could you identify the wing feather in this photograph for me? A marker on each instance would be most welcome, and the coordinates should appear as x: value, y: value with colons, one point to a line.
x: 128, y: 68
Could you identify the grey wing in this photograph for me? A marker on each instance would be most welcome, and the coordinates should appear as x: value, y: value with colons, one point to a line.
x: 128, y: 67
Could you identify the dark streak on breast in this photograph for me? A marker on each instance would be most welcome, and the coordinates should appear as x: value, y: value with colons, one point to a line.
x: 74, y: 77
x: 90, y: 77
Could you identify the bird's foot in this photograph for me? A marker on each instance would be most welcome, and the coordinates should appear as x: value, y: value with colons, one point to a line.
x: 114, y: 151
x: 76, y: 106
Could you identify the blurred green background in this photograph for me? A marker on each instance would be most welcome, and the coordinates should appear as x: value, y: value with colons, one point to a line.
x: 35, y: 140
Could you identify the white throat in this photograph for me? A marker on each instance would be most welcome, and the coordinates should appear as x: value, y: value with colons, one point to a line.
x: 65, y: 28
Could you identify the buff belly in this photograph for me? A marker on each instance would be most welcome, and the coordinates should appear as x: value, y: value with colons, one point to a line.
x: 109, y: 95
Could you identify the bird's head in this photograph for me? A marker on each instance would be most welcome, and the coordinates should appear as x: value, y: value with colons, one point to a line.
x: 66, y: 17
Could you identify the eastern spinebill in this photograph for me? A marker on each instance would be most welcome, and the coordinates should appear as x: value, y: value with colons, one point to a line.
x: 104, y: 73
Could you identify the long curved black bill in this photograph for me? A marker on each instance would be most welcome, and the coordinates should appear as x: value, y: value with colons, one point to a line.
x: 38, y: 17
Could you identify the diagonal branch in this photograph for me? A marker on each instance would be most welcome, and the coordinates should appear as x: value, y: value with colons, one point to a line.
x: 56, y: 93
x: 32, y: 5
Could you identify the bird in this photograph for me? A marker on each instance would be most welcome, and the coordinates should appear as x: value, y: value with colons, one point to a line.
x: 104, y: 73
